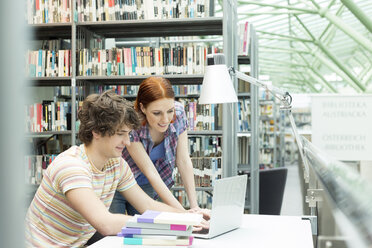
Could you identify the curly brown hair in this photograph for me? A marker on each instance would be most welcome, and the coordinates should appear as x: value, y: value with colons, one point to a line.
x: 104, y: 114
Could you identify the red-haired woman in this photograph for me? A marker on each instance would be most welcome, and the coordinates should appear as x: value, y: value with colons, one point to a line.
x: 158, y: 146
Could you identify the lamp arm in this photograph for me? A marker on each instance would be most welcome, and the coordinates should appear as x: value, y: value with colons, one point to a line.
x: 286, y: 101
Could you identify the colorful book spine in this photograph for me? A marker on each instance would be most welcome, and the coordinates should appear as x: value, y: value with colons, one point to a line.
x: 170, y: 218
x: 132, y: 222
x: 131, y: 231
x: 163, y: 241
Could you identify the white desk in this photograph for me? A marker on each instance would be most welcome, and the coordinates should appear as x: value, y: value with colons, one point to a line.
x: 257, y: 231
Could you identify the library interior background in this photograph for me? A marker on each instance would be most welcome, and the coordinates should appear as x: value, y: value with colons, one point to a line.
x: 310, y: 154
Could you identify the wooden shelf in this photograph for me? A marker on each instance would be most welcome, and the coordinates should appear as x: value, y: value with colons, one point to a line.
x: 244, y: 60
x: 204, y: 132
x: 155, y: 28
x: 176, y: 188
x: 244, y: 94
x: 244, y: 167
x: 49, y: 81
x: 46, y: 134
x: 50, y: 31
x: 136, y: 80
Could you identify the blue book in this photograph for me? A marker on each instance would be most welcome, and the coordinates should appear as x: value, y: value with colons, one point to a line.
x: 158, y: 240
x: 125, y: 231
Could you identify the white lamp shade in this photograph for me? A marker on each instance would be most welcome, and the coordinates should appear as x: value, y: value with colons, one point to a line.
x: 217, y: 86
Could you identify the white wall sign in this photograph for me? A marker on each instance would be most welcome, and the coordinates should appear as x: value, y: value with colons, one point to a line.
x: 342, y: 126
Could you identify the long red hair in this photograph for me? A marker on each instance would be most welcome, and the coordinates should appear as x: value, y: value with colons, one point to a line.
x: 152, y: 89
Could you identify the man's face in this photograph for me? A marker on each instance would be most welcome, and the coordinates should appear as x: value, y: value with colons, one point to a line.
x: 112, y: 146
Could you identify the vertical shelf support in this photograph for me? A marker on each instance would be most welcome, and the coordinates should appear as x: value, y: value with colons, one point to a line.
x: 254, y: 153
x: 73, y: 76
x: 229, y: 111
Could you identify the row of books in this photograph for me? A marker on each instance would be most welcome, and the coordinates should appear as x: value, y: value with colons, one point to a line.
x: 186, y: 90
x: 244, y: 145
x: 35, y: 166
x: 206, y: 171
x: 66, y: 92
x: 267, y: 126
x: 244, y: 31
x: 267, y: 141
x: 202, y: 117
x: 48, y: 11
x: 48, y: 116
x: 266, y: 109
x: 244, y: 115
x: 113, y: 10
x: 160, y: 228
x: 121, y: 90
x: 205, y: 146
x: 202, y: 198
x: 188, y: 59
x: 132, y: 90
x: 49, y: 63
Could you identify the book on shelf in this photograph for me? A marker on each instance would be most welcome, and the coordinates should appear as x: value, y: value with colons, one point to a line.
x: 35, y: 165
x: 48, y: 116
x: 201, y: 117
x: 243, y: 38
x: 110, y: 10
x: 48, y: 63
x: 158, y: 240
x: 244, y: 150
x: 244, y: 115
x: 130, y: 61
x: 48, y: 11
x: 204, y: 199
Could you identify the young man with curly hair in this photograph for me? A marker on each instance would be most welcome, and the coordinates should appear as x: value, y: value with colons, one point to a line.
x: 77, y: 189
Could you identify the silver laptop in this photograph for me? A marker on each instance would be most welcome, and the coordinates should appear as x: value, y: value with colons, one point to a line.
x: 227, y: 206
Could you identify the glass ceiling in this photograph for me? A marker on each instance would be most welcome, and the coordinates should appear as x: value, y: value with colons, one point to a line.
x: 313, y: 46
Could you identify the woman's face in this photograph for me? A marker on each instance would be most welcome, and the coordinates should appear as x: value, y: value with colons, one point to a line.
x: 159, y: 114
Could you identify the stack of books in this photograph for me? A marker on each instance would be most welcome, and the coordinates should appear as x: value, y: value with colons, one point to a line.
x: 160, y: 228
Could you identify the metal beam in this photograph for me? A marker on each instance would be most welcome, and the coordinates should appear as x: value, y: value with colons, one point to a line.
x: 276, y: 38
x: 358, y: 13
x: 340, y: 65
x: 308, y: 11
x: 282, y: 62
x: 316, y: 74
x: 285, y: 36
x: 329, y: 35
x: 352, y: 33
x: 353, y: 80
x: 319, y: 78
x: 368, y: 78
x: 272, y: 50
x: 337, y: 70
x: 286, y: 49
x: 274, y: 12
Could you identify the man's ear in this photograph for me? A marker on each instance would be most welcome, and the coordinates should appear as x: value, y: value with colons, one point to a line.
x: 96, y: 135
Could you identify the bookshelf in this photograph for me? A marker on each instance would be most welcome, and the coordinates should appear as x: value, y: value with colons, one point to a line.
x: 80, y: 33
x: 248, y: 112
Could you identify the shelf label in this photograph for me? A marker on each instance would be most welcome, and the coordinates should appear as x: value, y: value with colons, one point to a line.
x: 341, y: 126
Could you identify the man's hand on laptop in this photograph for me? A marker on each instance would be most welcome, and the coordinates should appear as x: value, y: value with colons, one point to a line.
x: 205, y: 212
x: 203, y: 227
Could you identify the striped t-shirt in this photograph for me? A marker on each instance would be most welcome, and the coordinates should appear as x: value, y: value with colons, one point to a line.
x: 50, y: 220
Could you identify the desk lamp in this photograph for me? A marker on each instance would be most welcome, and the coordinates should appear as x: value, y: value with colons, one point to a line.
x: 218, y: 88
